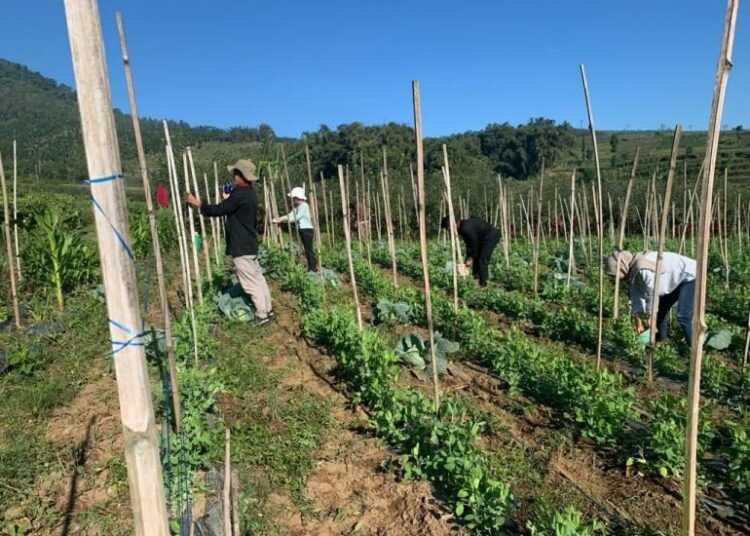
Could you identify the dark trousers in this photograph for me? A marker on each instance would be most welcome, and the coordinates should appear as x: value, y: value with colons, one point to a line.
x: 683, y: 297
x: 307, y: 236
x: 481, y: 265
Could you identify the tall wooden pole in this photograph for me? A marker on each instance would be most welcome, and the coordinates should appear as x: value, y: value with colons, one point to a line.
x: 592, y: 129
x: 660, y: 252
x: 348, y: 239
x: 623, y: 224
x: 423, y: 235
x: 15, y: 212
x: 538, y: 231
x: 160, y: 279
x: 191, y: 226
x: 451, y: 225
x: 9, y: 249
x: 118, y: 270
x: 701, y: 277
x: 388, y: 216
x: 571, y: 257
x: 201, y: 220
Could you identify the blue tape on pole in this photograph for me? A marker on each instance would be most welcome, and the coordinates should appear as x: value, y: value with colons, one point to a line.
x: 133, y: 341
x: 123, y: 327
x: 119, y: 236
x: 100, y: 180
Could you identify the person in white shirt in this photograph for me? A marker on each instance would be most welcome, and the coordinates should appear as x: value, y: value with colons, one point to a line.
x: 676, y: 286
x: 300, y: 215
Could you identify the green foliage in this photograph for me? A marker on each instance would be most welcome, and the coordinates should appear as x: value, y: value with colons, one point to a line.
x: 666, y: 444
x: 739, y: 455
x: 567, y: 522
x: 200, y: 438
x: 140, y: 231
x: 59, y: 257
x: 715, y: 376
x: 388, y: 312
x: 438, y: 447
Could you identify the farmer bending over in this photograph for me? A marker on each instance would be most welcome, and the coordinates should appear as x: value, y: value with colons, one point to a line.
x: 676, y: 285
x: 240, y: 208
x: 480, y: 238
x: 300, y: 215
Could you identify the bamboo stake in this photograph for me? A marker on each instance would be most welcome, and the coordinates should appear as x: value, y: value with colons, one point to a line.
x: 314, y: 203
x: 227, y: 502
x: 325, y: 208
x: 184, y: 258
x: 118, y: 270
x: 155, y: 241
x: 701, y: 279
x: 601, y: 229
x: 15, y: 212
x: 218, y: 222
x: 201, y: 220
x: 538, y: 231
x: 191, y: 224
x: 451, y: 225
x: 9, y: 250
x: 176, y: 209
x: 348, y: 238
x: 660, y: 253
x: 571, y: 258
x: 388, y: 216
x: 423, y: 235
x: 611, y: 219
x: 623, y: 223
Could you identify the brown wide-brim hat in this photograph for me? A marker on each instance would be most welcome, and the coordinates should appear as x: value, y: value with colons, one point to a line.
x: 246, y: 167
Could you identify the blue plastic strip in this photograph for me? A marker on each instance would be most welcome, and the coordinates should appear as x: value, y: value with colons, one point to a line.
x: 133, y: 341
x: 119, y: 236
x: 123, y: 327
x: 100, y: 180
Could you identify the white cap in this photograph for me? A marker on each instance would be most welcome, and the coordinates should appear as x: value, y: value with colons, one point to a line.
x: 298, y: 192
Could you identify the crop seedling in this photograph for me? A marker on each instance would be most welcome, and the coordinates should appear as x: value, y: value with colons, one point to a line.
x: 60, y: 258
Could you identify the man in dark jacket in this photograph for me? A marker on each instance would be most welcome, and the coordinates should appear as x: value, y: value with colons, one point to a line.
x: 240, y: 208
x: 480, y: 239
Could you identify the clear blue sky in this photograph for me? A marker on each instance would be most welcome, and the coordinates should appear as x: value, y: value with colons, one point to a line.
x: 299, y: 64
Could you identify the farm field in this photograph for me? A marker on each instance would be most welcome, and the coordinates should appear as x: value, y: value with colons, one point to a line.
x: 525, y: 328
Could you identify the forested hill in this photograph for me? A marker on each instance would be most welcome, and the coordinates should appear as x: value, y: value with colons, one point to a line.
x: 42, y: 116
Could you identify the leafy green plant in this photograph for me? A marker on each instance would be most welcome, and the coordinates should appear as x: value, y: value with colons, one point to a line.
x: 567, y: 522
x: 739, y: 455
x: 388, y: 312
x: 60, y: 257
x: 715, y: 376
x: 666, y: 445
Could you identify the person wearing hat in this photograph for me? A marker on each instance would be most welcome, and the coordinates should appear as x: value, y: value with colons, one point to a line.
x: 481, y: 239
x: 300, y: 215
x: 676, y: 286
x: 240, y: 207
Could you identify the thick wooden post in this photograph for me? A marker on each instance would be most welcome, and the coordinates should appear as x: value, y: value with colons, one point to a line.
x: 9, y: 249
x: 600, y: 229
x: 158, y: 261
x: 623, y: 223
x: 701, y: 277
x: 118, y: 270
x: 423, y: 235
